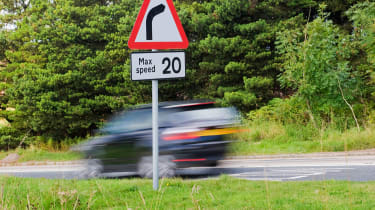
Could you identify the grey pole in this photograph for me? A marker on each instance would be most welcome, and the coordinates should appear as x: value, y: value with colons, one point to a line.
x: 155, y: 135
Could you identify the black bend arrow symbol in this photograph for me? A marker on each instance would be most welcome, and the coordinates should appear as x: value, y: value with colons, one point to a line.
x: 150, y: 16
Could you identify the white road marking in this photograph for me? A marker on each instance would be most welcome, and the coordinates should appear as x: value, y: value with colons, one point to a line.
x: 23, y: 169
x: 287, y: 174
x: 300, y: 177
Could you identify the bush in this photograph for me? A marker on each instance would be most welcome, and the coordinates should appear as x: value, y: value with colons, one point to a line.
x: 286, y: 111
x: 9, y: 138
x: 295, y: 111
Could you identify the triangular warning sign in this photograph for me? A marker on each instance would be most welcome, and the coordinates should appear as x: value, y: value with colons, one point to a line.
x: 158, y: 27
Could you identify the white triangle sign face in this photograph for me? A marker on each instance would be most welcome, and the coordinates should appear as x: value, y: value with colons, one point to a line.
x: 158, y: 27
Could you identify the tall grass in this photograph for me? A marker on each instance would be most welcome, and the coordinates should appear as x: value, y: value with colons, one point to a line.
x: 271, y: 137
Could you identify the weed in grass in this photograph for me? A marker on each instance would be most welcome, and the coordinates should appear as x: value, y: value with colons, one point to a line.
x: 142, y: 198
x: 92, y: 193
x: 212, y: 196
x: 159, y: 198
x: 102, y: 193
x: 28, y: 202
x: 195, y: 190
x: 66, y: 196
x: 77, y: 203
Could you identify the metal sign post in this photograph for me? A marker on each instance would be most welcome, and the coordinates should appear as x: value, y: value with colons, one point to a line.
x: 155, y: 134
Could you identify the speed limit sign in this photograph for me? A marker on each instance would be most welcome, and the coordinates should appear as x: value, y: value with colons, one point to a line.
x: 157, y: 65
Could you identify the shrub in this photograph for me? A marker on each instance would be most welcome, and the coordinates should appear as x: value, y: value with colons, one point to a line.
x: 286, y: 111
x: 9, y: 138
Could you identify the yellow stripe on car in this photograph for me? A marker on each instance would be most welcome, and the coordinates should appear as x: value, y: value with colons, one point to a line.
x: 216, y: 132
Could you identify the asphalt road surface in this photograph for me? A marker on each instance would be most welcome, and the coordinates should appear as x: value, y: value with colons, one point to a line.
x: 353, y: 168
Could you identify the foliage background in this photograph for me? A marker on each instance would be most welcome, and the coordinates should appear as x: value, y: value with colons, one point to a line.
x: 64, y: 65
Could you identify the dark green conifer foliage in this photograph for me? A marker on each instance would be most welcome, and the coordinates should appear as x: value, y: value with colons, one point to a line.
x: 65, y: 66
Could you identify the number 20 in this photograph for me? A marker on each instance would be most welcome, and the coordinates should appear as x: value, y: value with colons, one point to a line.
x: 176, y: 65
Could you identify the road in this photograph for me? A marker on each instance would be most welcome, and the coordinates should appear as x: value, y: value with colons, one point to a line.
x: 354, y: 168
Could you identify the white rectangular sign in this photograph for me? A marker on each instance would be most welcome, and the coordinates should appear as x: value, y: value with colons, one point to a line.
x: 157, y: 65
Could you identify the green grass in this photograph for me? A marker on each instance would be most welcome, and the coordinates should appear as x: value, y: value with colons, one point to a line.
x: 222, y: 193
x: 37, y: 154
x: 274, y: 138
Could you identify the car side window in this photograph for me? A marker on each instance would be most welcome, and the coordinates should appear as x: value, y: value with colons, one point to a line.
x: 134, y: 120
x: 129, y: 121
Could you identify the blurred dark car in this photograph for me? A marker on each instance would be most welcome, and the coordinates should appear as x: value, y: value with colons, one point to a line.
x: 190, y: 134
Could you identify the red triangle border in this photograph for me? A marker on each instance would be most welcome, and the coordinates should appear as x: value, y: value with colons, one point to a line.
x: 157, y: 45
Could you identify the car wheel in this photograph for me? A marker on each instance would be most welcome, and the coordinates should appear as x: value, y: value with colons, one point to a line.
x: 167, y: 168
x: 93, y: 169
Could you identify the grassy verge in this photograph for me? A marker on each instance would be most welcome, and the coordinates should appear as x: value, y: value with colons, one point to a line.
x: 274, y: 138
x: 223, y: 193
x: 37, y: 154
